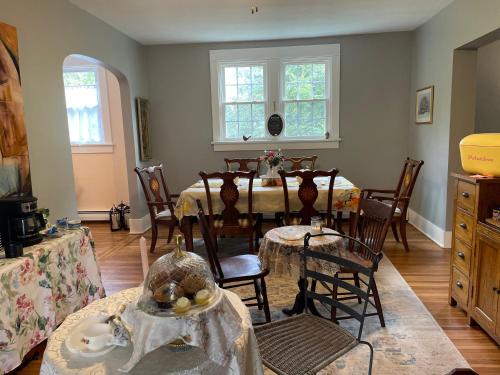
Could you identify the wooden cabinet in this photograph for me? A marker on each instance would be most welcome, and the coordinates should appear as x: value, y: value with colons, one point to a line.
x: 475, y: 253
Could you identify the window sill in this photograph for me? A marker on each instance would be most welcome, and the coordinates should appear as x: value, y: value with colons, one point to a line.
x: 283, y: 145
x: 92, y: 149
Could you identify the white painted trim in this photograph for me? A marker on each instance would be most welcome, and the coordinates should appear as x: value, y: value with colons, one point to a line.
x: 441, y: 237
x: 100, y: 148
x: 265, y: 145
x: 139, y: 226
x: 93, y: 215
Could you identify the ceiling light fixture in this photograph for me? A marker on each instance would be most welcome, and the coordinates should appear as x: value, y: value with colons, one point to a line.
x: 254, y: 9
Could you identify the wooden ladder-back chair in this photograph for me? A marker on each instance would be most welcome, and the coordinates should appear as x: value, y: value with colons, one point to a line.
x: 231, y: 222
x: 159, y: 200
x: 305, y: 344
x: 244, y: 165
x: 297, y: 164
x: 402, y: 194
x: 372, y: 223
x: 308, y: 195
x: 237, y: 270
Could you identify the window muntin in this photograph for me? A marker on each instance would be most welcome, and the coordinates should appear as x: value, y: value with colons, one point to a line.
x: 83, y: 106
x: 243, y: 103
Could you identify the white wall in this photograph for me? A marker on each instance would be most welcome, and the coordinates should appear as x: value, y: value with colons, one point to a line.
x: 432, y: 64
x: 48, y: 32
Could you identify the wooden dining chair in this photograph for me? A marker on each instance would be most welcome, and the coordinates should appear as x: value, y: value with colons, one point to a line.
x: 244, y: 165
x: 402, y: 194
x: 159, y: 200
x: 371, y: 224
x: 232, y: 222
x: 235, y: 271
x: 304, y: 162
x: 308, y: 195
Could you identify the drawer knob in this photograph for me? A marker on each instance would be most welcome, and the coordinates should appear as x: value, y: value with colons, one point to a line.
x: 461, y: 255
x: 463, y: 225
x: 465, y: 194
x: 495, y: 288
x: 460, y: 285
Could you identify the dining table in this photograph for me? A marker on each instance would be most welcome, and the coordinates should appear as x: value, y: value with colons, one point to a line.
x: 38, y: 290
x: 212, y: 349
x: 265, y: 199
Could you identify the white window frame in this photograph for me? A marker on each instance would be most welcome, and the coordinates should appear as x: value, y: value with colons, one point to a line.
x: 106, y: 146
x: 274, y: 59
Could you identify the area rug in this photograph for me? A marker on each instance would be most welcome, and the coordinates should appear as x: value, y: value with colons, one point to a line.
x: 411, y: 343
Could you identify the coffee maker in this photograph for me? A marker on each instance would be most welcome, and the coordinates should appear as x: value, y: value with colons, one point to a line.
x: 19, y: 221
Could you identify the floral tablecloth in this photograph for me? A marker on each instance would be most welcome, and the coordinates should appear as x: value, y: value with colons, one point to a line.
x: 269, y: 199
x: 244, y: 357
x: 282, y: 258
x: 52, y: 280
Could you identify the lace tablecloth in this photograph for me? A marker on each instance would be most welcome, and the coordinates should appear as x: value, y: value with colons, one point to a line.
x: 38, y: 290
x: 282, y: 258
x: 269, y: 199
x: 242, y: 356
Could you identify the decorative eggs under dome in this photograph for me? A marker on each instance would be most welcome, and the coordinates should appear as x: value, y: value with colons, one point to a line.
x: 177, y: 283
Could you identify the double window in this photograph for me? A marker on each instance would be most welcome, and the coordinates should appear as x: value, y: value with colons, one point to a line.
x: 301, y: 84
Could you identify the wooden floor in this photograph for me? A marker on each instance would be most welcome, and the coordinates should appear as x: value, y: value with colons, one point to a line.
x: 425, y: 268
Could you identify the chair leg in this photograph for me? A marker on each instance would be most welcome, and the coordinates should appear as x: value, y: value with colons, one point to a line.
x: 356, y: 283
x: 395, y: 231
x: 266, y: 302
x: 378, y: 305
x: 258, y: 294
x: 370, y: 364
x: 402, y: 230
x: 154, y: 236
x: 333, y: 311
x: 171, y: 227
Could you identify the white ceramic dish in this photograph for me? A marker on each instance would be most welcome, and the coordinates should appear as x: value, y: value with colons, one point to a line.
x: 291, y: 234
x: 90, y: 338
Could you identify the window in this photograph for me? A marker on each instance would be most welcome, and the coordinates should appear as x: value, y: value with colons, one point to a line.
x: 301, y: 84
x: 85, y: 105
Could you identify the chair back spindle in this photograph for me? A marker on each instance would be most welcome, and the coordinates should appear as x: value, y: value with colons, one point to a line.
x: 244, y: 165
x: 298, y: 163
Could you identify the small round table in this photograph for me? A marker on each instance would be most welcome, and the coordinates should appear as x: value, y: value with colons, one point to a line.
x: 57, y: 360
x: 282, y: 257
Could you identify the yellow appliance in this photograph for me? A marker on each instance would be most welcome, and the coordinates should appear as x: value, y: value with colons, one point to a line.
x: 480, y: 154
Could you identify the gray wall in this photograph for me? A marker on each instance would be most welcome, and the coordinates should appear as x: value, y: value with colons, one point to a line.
x: 488, y: 89
x: 49, y: 31
x: 375, y: 87
x: 432, y: 64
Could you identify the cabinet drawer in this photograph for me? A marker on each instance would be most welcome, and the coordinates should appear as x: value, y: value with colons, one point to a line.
x: 466, y: 196
x: 464, y: 227
x: 460, y: 287
x: 462, y: 257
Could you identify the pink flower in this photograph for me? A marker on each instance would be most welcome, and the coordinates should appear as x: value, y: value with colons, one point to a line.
x: 36, y: 338
x: 26, y: 271
x: 24, y: 306
x: 80, y: 271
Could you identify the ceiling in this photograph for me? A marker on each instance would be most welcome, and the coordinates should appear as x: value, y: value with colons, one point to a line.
x: 194, y: 21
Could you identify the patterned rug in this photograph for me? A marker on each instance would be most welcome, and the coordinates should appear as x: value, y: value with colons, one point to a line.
x: 411, y: 343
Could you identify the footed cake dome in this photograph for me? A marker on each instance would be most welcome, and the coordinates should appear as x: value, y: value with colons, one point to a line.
x: 177, y: 283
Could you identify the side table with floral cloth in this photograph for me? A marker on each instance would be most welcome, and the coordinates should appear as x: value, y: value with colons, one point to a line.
x: 266, y: 200
x: 243, y: 356
x: 282, y: 257
x: 52, y: 280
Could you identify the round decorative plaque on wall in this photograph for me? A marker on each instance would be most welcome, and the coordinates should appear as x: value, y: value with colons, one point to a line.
x: 275, y: 124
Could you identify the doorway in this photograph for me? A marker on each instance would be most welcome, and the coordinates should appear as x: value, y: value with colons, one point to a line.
x: 96, y: 130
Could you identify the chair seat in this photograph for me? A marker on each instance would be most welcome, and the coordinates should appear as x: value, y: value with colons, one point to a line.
x: 353, y: 257
x: 165, y: 214
x: 302, y: 344
x: 239, y: 266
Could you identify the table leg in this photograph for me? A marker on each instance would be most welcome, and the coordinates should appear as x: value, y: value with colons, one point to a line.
x: 338, y: 222
x: 187, y: 230
x: 298, y: 306
x: 352, y: 222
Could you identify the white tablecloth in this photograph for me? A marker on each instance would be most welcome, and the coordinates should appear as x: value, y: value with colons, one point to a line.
x: 57, y: 360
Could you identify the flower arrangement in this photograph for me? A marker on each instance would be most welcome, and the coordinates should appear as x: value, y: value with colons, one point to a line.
x: 274, y: 161
x: 273, y: 158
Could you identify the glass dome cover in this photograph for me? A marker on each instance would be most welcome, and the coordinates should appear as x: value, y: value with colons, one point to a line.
x: 177, y: 283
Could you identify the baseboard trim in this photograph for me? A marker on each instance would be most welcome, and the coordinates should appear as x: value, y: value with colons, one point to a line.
x: 441, y: 237
x: 141, y: 225
x: 93, y: 215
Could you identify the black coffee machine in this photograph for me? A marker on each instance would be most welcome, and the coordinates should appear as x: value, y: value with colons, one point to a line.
x: 19, y: 221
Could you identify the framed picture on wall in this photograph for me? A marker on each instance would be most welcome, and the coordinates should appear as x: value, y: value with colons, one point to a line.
x: 142, y: 108
x: 424, y: 106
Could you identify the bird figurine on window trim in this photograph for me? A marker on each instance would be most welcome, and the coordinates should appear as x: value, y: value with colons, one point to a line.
x: 245, y: 138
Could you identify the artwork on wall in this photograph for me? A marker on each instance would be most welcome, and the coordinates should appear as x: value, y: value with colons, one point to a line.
x: 14, y: 160
x: 424, y: 106
x: 142, y: 108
